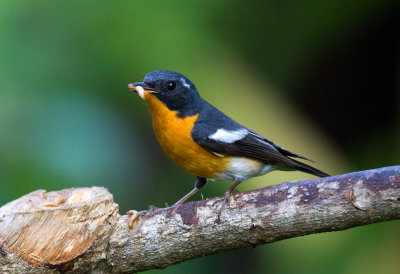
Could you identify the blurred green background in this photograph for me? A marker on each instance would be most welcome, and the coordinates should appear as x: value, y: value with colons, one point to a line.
x: 320, y: 78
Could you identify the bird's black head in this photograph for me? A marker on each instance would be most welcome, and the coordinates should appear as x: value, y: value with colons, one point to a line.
x: 173, y: 89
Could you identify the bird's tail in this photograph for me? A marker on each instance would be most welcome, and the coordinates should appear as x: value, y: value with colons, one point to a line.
x: 309, y: 169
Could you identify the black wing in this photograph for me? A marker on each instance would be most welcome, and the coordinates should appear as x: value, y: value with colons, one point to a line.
x: 250, y: 144
x: 279, y: 148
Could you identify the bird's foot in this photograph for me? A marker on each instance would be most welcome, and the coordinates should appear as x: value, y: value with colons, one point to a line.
x: 235, y: 191
x: 224, y: 203
x: 153, y: 207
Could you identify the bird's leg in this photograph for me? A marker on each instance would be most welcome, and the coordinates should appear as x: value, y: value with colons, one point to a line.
x: 200, y: 182
x: 226, y: 197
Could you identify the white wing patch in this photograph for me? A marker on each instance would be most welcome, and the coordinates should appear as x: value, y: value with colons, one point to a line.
x: 228, y: 136
x: 184, y: 83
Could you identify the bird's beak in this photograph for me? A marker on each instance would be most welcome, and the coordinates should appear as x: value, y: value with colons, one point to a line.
x: 141, y: 88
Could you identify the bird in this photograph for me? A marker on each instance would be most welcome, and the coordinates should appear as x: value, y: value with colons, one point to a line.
x: 206, y: 142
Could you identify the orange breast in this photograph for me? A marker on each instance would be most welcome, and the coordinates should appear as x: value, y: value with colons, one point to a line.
x: 174, y: 135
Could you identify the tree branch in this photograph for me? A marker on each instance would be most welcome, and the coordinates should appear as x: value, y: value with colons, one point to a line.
x: 80, y: 229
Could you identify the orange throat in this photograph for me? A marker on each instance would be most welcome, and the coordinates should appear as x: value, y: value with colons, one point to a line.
x: 174, y: 135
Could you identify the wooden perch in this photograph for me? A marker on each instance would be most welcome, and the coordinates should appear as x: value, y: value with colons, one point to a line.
x: 80, y: 230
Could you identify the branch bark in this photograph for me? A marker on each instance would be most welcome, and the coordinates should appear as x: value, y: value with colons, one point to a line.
x: 80, y: 230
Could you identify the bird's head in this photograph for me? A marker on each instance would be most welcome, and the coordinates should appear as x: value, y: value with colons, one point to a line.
x: 173, y: 89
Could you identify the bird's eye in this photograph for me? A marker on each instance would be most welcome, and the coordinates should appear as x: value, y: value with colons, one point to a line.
x: 171, y: 85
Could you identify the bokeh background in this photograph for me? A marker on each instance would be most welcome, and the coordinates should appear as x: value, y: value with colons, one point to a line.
x: 320, y: 78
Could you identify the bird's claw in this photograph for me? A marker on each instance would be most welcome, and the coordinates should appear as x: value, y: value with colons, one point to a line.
x: 224, y: 203
x: 235, y: 191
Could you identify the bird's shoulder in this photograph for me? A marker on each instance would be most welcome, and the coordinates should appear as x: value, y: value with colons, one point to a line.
x: 211, y: 119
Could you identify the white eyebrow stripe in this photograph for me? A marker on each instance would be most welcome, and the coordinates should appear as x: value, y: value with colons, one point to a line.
x: 228, y: 136
x: 184, y: 83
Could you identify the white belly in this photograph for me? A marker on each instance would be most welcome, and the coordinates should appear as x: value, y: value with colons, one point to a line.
x: 242, y: 169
